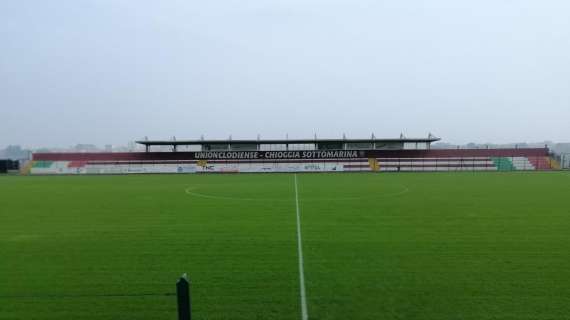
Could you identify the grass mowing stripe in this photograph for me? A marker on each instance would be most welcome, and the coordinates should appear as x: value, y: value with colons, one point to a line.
x: 110, y: 295
x: 304, y: 312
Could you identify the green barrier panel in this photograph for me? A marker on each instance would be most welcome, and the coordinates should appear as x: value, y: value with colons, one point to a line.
x: 42, y: 164
x: 503, y: 164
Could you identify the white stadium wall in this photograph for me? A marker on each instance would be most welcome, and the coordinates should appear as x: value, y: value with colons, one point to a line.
x: 291, y: 161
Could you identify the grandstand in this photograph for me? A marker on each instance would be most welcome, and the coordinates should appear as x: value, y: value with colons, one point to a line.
x: 299, y: 155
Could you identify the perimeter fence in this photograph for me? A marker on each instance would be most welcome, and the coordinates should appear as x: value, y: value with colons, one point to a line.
x: 565, y: 161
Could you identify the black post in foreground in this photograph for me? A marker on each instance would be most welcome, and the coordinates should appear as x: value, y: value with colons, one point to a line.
x: 183, y: 294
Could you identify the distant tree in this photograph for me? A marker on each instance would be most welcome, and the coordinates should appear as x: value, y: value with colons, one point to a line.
x: 15, y: 152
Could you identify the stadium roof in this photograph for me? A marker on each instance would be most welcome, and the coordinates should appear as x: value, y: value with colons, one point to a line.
x: 429, y: 139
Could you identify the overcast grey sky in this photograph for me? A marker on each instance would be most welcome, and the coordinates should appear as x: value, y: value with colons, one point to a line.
x: 110, y: 71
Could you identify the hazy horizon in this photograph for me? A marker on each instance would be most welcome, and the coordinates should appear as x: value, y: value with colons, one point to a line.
x: 108, y: 72
x: 437, y: 145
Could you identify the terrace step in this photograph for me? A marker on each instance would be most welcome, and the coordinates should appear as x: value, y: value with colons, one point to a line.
x: 42, y: 164
x: 522, y: 163
x: 541, y: 163
x: 503, y: 164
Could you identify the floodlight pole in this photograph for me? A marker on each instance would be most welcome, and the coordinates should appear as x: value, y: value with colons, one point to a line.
x: 183, y: 295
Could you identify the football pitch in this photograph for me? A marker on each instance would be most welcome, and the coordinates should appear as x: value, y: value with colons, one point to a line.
x: 372, y: 246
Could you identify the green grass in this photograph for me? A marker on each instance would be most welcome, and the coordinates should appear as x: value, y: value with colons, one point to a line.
x: 376, y: 246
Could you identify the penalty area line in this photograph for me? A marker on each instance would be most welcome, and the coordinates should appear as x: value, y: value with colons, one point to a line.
x: 302, y: 292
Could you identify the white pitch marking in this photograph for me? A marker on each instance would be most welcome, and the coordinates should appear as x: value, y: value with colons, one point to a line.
x: 189, y: 191
x: 304, y: 312
x: 202, y: 195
